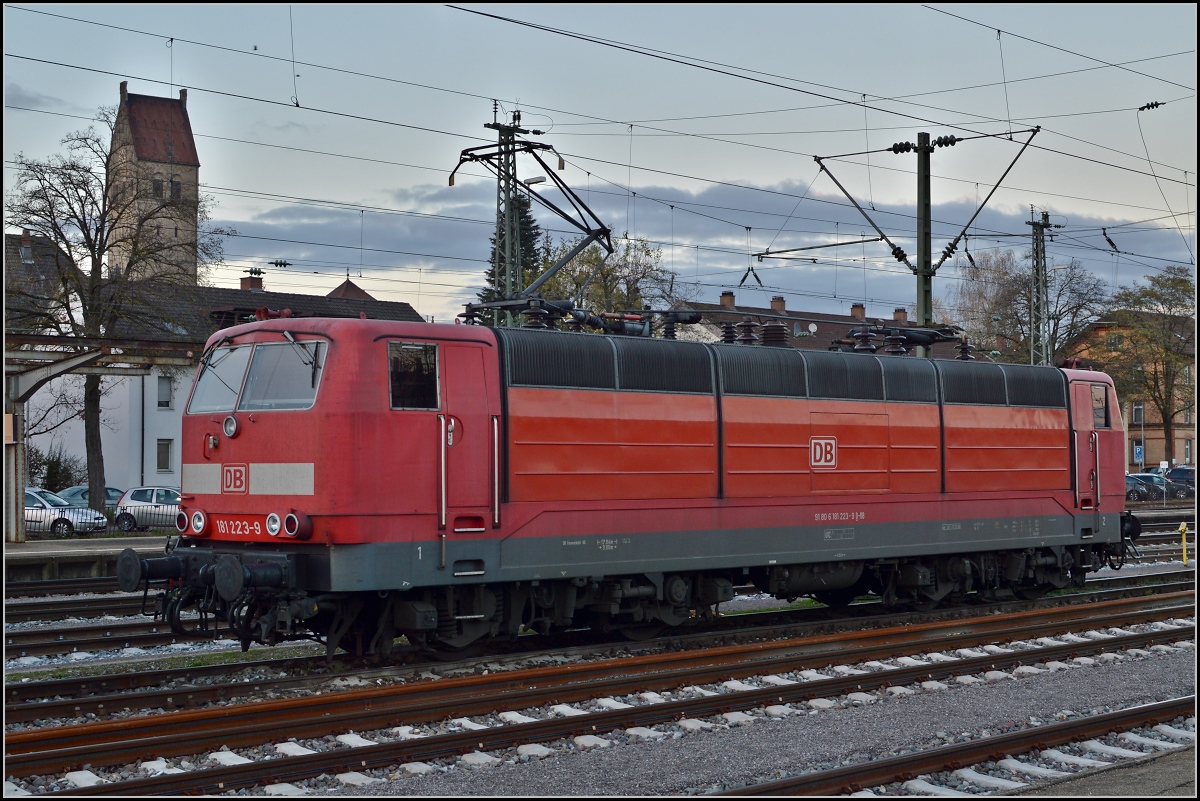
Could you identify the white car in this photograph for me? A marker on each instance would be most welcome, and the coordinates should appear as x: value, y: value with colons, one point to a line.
x: 45, y: 511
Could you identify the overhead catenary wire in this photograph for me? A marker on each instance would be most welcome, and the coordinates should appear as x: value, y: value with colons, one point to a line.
x: 702, y: 64
x: 1062, y: 49
x: 442, y: 170
x: 1147, y: 107
x: 458, y: 92
x: 630, y: 190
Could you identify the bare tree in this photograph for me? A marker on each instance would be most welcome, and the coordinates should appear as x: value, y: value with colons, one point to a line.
x: 1155, y: 359
x: 631, y: 278
x: 117, y: 243
x: 992, y: 303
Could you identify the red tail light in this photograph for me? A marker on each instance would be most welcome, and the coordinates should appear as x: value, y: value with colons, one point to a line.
x: 297, y: 525
x: 181, y: 522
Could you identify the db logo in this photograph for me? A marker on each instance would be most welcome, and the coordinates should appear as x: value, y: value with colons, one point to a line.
x: 234, y: 478
x: 823, y: 453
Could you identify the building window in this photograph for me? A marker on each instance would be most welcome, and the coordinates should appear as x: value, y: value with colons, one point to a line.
x: 1187, y: 451
x: 1138, y: 416
x: 165, y: 392
x: 157, y: 185
x: 164, y: 455
x: 1114, y: 342
x: 176, y: 189
x: 26, y: 254
x: 1187, y: 416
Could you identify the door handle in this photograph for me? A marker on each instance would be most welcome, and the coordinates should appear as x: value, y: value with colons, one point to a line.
x: 442, y: 471
x: 450, y: 428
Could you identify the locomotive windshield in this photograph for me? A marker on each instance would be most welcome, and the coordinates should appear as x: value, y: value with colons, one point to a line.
x: 220, y: 379
x: 280, y: 376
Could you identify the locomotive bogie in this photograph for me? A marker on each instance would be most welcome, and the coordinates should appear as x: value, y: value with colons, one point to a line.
x: 451, y: 484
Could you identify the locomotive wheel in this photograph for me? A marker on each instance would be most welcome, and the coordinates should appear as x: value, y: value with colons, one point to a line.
x: 837, y: 599
x: 640, y: 633
x: 1032, y: 593
x: 446, y: 653
x: 926, y: 604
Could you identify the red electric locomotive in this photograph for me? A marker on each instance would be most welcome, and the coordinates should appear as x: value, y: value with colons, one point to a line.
x: 356, y: 480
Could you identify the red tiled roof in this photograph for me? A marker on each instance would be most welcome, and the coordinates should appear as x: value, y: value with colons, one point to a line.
x: 161, y: 130
x: 350, y: 290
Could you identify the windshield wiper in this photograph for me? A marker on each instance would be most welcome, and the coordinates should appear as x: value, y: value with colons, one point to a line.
x: 305, y: 356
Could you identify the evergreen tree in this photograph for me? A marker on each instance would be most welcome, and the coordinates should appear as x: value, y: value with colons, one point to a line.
x: 533, y: 254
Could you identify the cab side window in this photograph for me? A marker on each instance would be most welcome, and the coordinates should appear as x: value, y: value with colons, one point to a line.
x: 413, y: 375
x: 1100, y: 417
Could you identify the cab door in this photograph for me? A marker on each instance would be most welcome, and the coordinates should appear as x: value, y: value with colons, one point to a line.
x: 1086, y: 446
x: 469, y: 440
x: 1099, y: 449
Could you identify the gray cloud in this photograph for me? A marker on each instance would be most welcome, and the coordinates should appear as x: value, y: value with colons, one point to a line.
x: 708, y: 228
x: 17, y: 95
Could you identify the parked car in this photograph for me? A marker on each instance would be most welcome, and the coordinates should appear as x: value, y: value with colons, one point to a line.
x: 78, y: 496
x: 1162, y: 488
x: 146, y: 507
x: 1135, y: 490
x: 1183, y: 475
x: 45, y: 511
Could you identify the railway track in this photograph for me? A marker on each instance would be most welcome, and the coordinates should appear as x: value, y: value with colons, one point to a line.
x: 61, y: 609
x: 34, y: 589
x: 101, y: 636
x: 196, y: 686
x: 857, y: 777
x: 46, y: 751
x: 53, y: 641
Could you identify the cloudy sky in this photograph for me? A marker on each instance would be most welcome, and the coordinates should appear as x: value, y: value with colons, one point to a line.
x: 683, y: 128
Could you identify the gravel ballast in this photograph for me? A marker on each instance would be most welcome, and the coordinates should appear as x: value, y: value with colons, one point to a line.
x: 708, y: 760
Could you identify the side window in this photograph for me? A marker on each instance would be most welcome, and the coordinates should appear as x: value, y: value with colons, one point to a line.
x: 31, y: 500
x: 142, y: 496
x: 167, y: 496
x: 1099, y: 406
x: 165, y: 387
x: 164, y: 455
x: 413, y: 375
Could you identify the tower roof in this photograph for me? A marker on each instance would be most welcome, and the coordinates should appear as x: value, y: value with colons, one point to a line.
x: 161, y: 130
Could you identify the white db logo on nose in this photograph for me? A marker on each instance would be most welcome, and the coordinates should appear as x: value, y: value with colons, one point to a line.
x: 823, y: 453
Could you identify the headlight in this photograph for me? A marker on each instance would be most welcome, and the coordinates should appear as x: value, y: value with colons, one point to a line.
x: 199, y: 521
x: 230, y: 426
x: 274, y: 524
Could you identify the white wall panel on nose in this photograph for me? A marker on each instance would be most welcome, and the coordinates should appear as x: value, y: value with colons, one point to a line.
x: 282, y: 478
x: 201, y: 479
